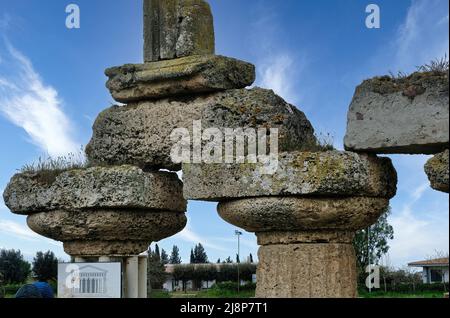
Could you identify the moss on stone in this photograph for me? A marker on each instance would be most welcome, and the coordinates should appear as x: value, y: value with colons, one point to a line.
x: 411, y: 86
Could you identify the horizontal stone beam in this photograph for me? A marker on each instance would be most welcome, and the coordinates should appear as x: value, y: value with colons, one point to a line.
x: 318, y: 174
x: 400, y: 115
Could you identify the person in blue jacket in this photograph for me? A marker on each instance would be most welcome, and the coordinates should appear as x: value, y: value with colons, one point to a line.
x: 45, y: 289
x: 28, y: 291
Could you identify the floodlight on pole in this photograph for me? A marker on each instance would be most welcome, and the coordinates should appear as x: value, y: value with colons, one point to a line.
x: 238, y: 234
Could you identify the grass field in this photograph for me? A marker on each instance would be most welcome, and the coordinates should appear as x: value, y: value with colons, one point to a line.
x: 251, y: 294
x: 379, y: 294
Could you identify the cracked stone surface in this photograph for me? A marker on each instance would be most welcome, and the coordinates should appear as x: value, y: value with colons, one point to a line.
x: 188, y: 75
x: 407, y: 116
x: 325, y: 174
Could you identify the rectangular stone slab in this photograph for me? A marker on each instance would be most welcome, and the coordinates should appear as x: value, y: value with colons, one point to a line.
x: 312, y: 174
x: 177, y: 28
x: 406, y: 116
x: 188, y: 75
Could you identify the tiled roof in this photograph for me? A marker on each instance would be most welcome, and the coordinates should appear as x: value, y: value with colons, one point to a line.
x: 431, y: 262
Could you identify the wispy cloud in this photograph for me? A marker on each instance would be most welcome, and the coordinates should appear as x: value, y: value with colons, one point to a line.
x: 277, y: 72
x: 17, y: 230
x: 189, y: 235
x: 29, y: 103
x: 418, y: 231
x: 424, y: 34
x: 22, y: 232
x: 278, y: 67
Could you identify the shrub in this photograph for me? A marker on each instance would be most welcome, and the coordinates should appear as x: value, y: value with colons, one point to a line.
x: 233, y: 286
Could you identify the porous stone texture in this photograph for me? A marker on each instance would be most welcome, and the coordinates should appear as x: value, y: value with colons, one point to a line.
x: 117, y: 226
x: 120, y: 187
x: 139, y: 134
x: 102, y: 248
x: 177, y: 28
x: 305, y: 236
x: 295, y: 213
x: 331, y: 173
x: 306, y: 271
x: 437, y: 169
x: 188, y: 75
x: 407, y: 115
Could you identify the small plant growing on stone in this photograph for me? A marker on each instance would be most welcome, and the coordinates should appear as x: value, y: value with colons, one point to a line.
x: 399, y: 76
x: 48, y: 168
x: 438, y: 66
x: 322, y: 142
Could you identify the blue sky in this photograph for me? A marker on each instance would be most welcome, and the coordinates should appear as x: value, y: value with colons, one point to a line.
x: 313, y: 53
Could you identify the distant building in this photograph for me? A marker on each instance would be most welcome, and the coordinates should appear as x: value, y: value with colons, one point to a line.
x: 172, y: 284
x: 434, y: 270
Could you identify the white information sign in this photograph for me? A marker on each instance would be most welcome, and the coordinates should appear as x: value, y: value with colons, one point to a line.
x: 89, y: 280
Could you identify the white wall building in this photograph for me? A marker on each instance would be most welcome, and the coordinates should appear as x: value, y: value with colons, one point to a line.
x: 434, y: 271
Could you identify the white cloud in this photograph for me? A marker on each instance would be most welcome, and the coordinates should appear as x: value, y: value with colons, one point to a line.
x: 278, y: 67
x: 189, y: 235
x: 277, y: 72
x: 22, y: 232
x: 424, y: 34
x: 30, y: 104
x: 418, y: 232
x: 17, y: 230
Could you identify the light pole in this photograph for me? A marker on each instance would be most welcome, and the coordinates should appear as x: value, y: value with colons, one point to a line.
x: 238, y: 234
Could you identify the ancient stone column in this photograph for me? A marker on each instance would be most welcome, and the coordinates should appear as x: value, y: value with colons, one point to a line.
x: 100, y: 211
x: 177, y: 28
x: 304, y: 215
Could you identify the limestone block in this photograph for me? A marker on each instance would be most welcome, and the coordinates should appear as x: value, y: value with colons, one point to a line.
x: 120, y: 187
x: 101, y: 248
x: 325, y: 174
x: 295, y: 213
x: 306, y: 270
x: 177, y: 28
x: 407, y: 115
x: 437, y: 170
x: 188, y: 75
x: 107, y: 225
x: 139, y: 134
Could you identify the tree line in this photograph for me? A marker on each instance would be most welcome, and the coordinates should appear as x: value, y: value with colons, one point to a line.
x: 14, y: 269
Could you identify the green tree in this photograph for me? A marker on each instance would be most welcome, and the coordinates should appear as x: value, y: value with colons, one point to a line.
x: 164, y: 257
x: 13, y: 267
x: 175, y: 256
x: 238, y: 260
x: 372, y: 243
x: 45, y: 266
x: 156, y: 253
x: 199, y: 255
x: 192, y: 260
x: 250, y: 258
x: 228, y: 260
x: 156, y: 270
